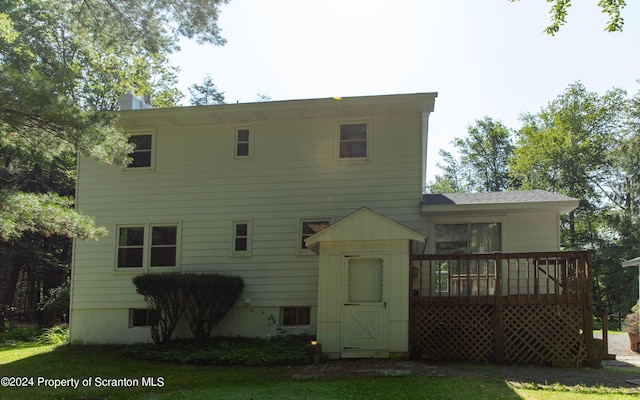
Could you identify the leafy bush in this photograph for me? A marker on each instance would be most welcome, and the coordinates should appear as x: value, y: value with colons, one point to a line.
x: 57, y: 302
x: 56, y: 335
x: 21, y: 334
x: 161, y: 293
x: 206, y: 298
x: 224, y: 351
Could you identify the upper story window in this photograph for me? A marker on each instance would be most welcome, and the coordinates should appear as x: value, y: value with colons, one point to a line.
x: 142, y: 156
x: 308, y: 228
x: 468, y: 238
x: 242, y: 142
x: 147, y: 246
x: 353, y: 140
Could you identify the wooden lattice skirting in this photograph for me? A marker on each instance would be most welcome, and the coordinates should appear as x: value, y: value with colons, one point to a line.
x: 531, y: 334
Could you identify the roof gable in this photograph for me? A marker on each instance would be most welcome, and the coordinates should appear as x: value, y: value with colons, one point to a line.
x: 363, y: 224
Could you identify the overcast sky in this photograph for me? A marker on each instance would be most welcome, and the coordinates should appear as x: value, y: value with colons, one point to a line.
x: 483, y: 57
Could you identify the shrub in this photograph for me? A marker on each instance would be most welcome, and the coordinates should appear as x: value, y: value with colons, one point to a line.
x: 57, y: 302
x: 56, y: 335
x: 208, y: 298
x: 226, y: 351
x: 161, y: 293
x: 21, y: 334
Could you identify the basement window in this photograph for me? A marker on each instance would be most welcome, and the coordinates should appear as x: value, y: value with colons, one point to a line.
x: 143, y: 317
x: 295, y: 316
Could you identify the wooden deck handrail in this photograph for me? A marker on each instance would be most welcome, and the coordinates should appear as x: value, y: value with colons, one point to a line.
x: 560, y: 277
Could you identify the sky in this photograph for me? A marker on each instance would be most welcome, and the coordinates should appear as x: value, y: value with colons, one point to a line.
x: 483, y: 57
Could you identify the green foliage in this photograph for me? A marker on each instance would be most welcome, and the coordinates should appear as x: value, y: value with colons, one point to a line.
x: 46, y: 213
x: 161, y: 292
x: 281, y: 350
x: 57, y: 301
x: 483, y: 164
x: 560, y: 8
x: 455, y: 176
x: 581, y: 144
x: 206, y: 298
x: 21, y: 334
x: 63, y: 68
x: 56, y: 336
x: 205, y: 94
x: 485, y: 153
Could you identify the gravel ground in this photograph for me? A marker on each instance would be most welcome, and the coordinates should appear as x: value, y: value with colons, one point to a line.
x: 624, y: 372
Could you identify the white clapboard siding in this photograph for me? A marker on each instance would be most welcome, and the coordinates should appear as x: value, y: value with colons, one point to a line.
x: 293, y: 174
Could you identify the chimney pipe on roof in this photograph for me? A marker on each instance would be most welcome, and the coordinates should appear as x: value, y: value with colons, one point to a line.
x: 129, y: 101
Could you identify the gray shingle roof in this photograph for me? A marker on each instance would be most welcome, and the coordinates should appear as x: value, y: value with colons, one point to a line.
x: 522, y: 196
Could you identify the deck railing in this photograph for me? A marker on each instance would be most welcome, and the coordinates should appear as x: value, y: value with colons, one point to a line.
x: 508, y: 278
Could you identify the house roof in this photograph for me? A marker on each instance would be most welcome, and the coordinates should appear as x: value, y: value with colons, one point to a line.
x: 635, y: 262
x: 279, y: 110
x: 363, y: 224
x: 514, y: 201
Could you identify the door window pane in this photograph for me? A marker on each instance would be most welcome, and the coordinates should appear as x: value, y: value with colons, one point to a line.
x: 364, y: 281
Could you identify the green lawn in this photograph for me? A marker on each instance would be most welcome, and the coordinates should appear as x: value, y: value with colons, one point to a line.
x: 98, y: 366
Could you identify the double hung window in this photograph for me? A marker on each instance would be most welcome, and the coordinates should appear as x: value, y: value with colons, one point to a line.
x: 142, y: 156
x: 309, y: 228
x: 147, y: 246
x: 243, y: 137
x: 241, y: 245
x: 353, y: 140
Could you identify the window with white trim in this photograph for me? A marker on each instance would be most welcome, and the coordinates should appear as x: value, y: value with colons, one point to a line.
x: 353, y: 140
x: 142, y: 155
x: 147, y: 246
x: 241, y: 238
x: 242, y: 142
x: 308, y: 228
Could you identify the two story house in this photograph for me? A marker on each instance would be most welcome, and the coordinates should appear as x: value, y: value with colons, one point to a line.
x: 317, y: 204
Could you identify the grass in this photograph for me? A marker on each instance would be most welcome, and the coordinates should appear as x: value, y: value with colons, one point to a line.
x: 106, y: 364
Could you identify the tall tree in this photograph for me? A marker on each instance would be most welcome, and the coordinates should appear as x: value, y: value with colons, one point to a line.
x: 571, y: 146
x: 486, y: 152
x: 205, y: 94
x: 63, y: 66
x: 454, y: 178
x: 483, y: 164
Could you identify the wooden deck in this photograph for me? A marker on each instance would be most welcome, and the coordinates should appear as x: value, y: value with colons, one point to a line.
x: 503, y: 308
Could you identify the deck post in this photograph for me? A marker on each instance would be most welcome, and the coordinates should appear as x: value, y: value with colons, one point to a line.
x: 593, y: 358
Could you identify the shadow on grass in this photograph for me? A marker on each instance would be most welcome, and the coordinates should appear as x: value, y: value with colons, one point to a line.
x: 103, y: 372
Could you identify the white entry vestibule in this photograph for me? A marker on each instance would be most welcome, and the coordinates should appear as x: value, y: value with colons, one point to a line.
x: 363, y: 286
